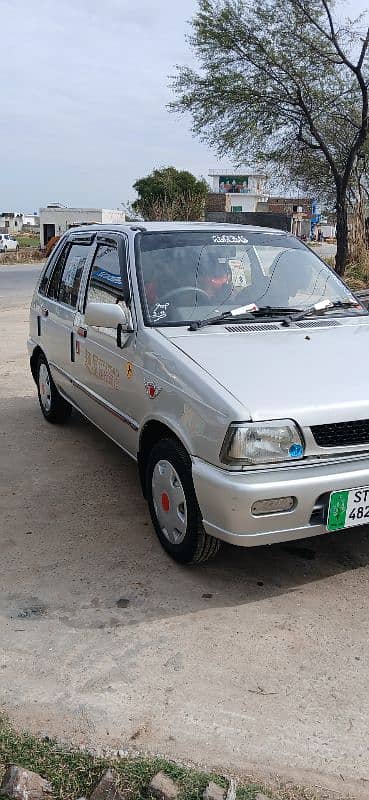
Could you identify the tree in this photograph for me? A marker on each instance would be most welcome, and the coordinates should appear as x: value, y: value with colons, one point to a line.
x: 170, y: 194
x: 281, y: 78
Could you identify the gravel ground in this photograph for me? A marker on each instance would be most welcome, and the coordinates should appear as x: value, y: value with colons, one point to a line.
x: 257, y: 662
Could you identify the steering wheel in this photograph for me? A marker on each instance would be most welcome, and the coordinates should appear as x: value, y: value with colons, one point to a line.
x: 183, y: 290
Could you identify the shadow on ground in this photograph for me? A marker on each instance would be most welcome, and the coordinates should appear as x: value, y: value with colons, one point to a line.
x: 71, y: 499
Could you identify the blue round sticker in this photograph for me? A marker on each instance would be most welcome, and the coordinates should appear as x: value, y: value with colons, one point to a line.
x: 295, y: 451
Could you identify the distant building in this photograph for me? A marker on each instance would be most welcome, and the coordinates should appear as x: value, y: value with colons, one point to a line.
x: 300, y: 210
x: 243, y: 189
x: 31, y: 220
x: 11, y: 222
x: 56, y: 219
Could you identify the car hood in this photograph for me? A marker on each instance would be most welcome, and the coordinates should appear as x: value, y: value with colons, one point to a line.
x: 313, y: 375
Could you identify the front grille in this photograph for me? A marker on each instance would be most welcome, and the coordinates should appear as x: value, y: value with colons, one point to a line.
x: 341, y: 434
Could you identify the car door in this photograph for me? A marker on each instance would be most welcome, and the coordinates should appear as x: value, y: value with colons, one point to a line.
x: 105, y: 368
x: 56, y: 307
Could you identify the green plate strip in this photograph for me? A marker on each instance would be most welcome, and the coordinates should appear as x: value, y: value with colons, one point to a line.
x: 337, y: 511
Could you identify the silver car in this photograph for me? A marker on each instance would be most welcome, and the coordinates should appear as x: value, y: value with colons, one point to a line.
x: 228, y: 361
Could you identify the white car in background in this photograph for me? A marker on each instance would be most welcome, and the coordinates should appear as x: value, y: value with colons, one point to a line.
x: 7, y: 243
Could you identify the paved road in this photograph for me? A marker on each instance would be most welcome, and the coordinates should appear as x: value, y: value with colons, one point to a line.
x: 17, y: 283
x: 257, y: 661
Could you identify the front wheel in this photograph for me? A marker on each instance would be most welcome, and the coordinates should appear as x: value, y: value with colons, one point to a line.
x: 173, y: 505
x: 53, y: 406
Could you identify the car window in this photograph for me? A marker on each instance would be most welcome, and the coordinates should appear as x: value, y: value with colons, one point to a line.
x: 55, y: 269
x: 72, y: 273
x: 48, y: 271
x: 105, y: 283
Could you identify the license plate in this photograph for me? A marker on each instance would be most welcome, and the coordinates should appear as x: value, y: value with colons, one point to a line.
x: 348, y: 508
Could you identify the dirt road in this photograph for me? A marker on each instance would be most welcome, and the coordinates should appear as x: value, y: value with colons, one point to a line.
x: 257, y: 661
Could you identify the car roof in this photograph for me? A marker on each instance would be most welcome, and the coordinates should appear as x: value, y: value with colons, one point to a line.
x: 163, y: 227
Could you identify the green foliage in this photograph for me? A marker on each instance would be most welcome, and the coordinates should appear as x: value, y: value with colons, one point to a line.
x: 269, y: 74
x: 170, y: 193
x: 284, y: 82
x: 28, y: 240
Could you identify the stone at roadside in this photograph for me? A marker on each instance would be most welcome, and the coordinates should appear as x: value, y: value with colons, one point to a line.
x: 163, y: 787
x: 261, y: 796
x: 214, y: 792
x: 22, y: 784
x: 106, y: 789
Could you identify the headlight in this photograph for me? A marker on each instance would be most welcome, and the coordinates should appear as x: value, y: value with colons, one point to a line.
x: 262, y: 443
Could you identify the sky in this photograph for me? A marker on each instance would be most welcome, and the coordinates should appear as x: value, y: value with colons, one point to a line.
x: 84, y: 90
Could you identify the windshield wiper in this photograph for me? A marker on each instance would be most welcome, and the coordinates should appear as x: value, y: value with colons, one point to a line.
x: 326, y: 305
x: 246, y: 312
x: 242, y: 311
x: 271, y: 311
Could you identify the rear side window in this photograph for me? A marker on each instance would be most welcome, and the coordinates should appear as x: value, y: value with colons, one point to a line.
x: 48, y: 271
x: 72, y: 273
x: 56, y: 269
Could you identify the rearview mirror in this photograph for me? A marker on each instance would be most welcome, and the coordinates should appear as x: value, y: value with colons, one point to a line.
x: 108, y: 315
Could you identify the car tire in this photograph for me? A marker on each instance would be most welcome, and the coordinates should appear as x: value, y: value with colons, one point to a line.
x: 53, y: 406
x: 173, y: 505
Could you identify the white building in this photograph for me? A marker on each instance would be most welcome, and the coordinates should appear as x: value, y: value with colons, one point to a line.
x: 56, y: 219
x: 11, y: 222
x: 31, y: 220
x: 246, y: 187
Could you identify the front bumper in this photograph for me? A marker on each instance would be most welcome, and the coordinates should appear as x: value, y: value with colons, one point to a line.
x: 225, y: 499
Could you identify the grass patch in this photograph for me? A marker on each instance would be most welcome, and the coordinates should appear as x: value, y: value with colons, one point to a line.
x: 74, y: 773
x: 28, y: 240
x: 356, y: 275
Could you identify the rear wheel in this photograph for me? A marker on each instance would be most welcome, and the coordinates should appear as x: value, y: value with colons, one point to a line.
x: 53, y: 406
x: 173, y: 505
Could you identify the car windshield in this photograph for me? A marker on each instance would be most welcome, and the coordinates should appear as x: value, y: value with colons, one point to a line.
x: 190, y: 275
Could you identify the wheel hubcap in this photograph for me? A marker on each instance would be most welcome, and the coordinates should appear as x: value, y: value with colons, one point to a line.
x: 44, y: 387
x: 169, y: 502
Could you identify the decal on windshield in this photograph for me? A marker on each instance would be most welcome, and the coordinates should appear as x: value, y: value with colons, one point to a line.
x: 159, y: 311
x: 238, y: 272
x: 227, y: 238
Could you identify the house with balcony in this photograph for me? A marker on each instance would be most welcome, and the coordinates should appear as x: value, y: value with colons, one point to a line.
x: 237, y: 190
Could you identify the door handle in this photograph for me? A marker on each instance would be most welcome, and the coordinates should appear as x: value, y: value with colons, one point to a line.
x: 82, y: 331
x: 44, y: 311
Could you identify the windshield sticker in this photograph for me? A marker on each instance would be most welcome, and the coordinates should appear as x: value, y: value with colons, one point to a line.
x: 159, y: 311
x: 238, y: 273
x: 229, y: 239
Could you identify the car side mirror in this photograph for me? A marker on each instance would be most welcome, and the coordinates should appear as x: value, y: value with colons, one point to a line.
x: 109, y: 315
